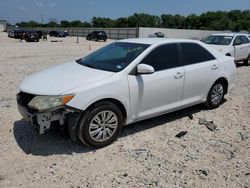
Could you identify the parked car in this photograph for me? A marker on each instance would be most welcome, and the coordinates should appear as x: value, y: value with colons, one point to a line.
x: 236, y: 45
x: 97, y: 35
x: 31, y: 36
x: 11, y: 33
x: 40, y: 34
x: 157, y: 35
x: 15, y: 33
x: 57, y: 34
x: 125, y: 82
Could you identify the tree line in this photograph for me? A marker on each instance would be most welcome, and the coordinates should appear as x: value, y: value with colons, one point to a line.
x: 234, y: 20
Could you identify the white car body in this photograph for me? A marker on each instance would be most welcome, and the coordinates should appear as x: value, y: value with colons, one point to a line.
x: 142, y: 96
x: 240, y: 52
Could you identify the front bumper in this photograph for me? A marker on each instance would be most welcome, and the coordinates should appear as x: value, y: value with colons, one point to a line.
x: 27, y: 116
x: 42, y: 120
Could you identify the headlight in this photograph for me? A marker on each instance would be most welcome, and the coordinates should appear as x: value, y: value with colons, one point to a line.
x: 47, y: 102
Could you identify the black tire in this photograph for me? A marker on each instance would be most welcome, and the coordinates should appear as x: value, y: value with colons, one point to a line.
x: 83, y: 130
x: 213, y: 102
x: 247, y: 61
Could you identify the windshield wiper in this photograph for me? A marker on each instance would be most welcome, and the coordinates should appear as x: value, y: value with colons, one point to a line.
x: 90, y: 66
x: 78, y: 60
x: 87, y: 65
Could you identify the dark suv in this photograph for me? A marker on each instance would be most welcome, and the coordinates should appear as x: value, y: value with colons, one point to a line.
x: 97, y: 35
x: 57, y: 34
x: 31, y: 36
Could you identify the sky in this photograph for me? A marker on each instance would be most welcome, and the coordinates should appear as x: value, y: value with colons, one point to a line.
x: 44, y: 10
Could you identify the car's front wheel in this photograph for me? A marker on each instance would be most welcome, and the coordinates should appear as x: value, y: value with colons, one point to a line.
x: 215, y: 95
x: 100, y: 124
x: 247, y: 61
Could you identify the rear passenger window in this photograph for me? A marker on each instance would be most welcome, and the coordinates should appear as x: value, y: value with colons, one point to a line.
x: 194, y: 53
x: 163, y: 57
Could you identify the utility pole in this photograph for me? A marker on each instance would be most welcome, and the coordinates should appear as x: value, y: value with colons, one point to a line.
x: 42, y: 18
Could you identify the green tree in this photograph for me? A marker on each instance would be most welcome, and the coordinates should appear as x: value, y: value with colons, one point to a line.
x: 102, y: 22
x: 65, y: 23
x: 121, y: 22
x: 143, y: 20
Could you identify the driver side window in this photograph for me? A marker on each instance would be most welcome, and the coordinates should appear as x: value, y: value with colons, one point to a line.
x: 237, y: 41
x: 163, y: 57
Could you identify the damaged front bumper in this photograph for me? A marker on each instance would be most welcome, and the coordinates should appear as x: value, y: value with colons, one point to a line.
x: 43, y: 120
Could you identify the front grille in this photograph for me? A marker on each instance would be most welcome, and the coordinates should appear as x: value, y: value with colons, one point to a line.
x: 24, y: 98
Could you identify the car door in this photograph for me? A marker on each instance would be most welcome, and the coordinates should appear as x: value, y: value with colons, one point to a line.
x: 152, y: 94
x: 201, y: 69
x: 239, y: 48
x: 245, y: 46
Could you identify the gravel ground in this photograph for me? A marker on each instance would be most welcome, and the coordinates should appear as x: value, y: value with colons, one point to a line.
x: 147, y: 154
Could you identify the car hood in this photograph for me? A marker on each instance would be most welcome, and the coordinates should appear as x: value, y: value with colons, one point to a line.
x: 220, y: 48
x: 62, y: 78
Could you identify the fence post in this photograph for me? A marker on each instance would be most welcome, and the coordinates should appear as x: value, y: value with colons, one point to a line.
x: 137, y: 32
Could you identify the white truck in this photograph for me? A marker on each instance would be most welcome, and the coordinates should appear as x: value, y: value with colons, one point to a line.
x: 236, y: 45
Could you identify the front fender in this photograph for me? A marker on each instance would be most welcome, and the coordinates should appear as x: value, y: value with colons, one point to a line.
x: 116, y: 89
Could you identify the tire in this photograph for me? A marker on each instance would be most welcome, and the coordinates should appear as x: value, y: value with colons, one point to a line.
x: 215, y: 95
x: 247, y: 61
x: 102, y: 119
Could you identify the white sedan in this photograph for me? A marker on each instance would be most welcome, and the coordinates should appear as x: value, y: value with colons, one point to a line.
x: 125, y: 82
x: 236, y: 45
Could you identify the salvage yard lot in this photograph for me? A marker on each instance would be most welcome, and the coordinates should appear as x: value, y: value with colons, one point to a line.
x: 146, y: 154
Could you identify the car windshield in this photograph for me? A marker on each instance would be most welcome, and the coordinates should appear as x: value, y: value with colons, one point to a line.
x: 114, y: 57
x: 218, y: 39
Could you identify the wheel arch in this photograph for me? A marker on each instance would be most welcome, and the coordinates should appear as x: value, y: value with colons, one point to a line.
x: 224, y: 81
x: 114, y: 101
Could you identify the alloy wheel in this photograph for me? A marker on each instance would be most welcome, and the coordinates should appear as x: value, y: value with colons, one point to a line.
x: 103, y: 126
x: 217, y: 94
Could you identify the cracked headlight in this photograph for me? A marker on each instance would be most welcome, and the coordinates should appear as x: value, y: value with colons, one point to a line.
x: 47, y: 102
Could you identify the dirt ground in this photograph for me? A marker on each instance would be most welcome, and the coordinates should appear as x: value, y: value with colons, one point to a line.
x: 147, y: 154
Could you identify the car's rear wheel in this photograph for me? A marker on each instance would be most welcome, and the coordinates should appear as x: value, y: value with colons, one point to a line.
x: 247, y: 61
x: 215, y: 95
x: 100, y: 125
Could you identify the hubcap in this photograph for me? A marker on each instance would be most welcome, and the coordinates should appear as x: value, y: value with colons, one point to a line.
x: 217, y: 94
x: 103, y: 126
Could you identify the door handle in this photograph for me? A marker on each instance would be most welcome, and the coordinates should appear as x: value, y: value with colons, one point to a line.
x: 178, y: 75
x: 214, y: 67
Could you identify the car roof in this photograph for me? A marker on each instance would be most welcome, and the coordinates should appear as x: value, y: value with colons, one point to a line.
x: 152, y: 41
x: 229, y: 34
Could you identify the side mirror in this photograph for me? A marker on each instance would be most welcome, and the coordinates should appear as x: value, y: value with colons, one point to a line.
x: 145, y: 69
